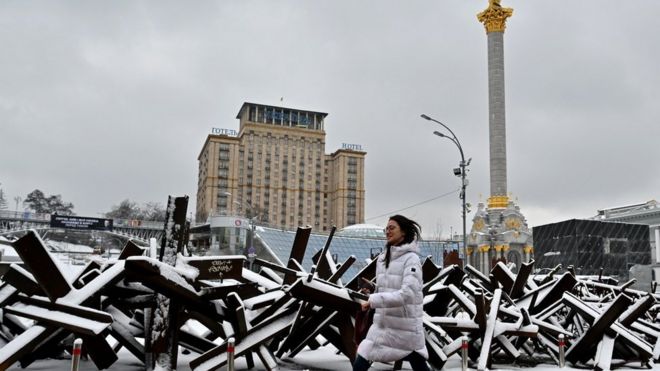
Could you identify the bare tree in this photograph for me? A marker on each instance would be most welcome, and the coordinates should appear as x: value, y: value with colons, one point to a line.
x: 3, y: 200
x: 38, y: 202
x: 128, y: 209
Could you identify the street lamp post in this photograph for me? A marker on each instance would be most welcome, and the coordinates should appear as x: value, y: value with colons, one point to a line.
x: 460, y: 171
x: 250, y: 251
x: 17, y: 199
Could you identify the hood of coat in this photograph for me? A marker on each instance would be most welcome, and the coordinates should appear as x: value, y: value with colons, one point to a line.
x: 397, y: 251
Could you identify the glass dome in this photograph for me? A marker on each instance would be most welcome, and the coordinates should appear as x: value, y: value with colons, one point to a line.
x: 362, y: 231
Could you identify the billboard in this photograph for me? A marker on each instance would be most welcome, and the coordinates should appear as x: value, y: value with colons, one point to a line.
x: 80, y: 222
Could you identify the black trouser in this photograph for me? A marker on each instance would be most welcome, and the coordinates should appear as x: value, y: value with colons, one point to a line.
x: 417, y: 362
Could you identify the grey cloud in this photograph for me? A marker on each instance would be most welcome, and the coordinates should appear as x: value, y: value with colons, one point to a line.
x: 112, y: 100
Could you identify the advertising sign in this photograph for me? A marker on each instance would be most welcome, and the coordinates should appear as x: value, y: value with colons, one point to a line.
x: 230, y: 266
x: 80, y: 222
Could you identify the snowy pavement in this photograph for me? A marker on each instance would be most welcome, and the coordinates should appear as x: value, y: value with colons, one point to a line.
x: 322, y: 359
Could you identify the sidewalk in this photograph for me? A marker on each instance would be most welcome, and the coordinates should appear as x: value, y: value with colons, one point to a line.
x: 322, y: 359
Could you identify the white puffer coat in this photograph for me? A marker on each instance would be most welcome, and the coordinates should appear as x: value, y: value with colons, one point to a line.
x: 397, y: 329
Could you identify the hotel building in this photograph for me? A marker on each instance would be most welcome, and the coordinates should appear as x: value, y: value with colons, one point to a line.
x: 274, y: 170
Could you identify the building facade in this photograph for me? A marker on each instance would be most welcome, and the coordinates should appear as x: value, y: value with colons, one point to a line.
x: 274, y: 170
x: 644, y: 213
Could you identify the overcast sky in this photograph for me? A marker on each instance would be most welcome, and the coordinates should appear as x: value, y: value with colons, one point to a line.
x: 103, y: 101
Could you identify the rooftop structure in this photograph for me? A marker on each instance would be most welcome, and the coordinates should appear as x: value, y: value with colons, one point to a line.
x: 363, y: 231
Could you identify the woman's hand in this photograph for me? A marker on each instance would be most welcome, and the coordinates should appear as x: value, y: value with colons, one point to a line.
x: 365, y: 306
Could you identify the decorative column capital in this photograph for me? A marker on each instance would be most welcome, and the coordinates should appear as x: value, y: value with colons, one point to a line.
x: 494, y: 17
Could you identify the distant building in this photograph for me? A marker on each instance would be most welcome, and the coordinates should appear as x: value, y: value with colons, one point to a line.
x: 645, y: 213
x: 274, y: 169
x: 589, y: 245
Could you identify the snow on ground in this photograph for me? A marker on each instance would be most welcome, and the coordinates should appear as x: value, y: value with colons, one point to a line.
x: 322, y: 359
x: 7, y: 252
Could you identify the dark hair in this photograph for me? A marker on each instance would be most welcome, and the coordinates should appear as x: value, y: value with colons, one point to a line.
x: 411, y: 231
x: 410, y: 228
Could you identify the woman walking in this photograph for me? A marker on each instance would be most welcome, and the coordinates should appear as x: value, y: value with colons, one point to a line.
x: 397, y: 332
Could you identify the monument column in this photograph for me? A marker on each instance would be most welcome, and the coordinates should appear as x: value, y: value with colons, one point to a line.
x: 498, y: 226
x: 494, y: 20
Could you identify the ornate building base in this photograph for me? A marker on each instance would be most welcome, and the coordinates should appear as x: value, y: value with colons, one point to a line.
x: 499, y: 233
